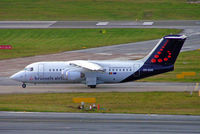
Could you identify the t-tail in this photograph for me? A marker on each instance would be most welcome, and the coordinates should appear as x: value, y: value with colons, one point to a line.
x: 161, y: 59
x: 166, y: 51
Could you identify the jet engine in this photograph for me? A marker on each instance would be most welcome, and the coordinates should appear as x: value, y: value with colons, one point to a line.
x: 73, y: 74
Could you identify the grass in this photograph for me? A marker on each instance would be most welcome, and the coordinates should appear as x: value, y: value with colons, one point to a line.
x: 99, y: 10
x: 186, y: 62
x: 146, y: 103
x: 31, y: 42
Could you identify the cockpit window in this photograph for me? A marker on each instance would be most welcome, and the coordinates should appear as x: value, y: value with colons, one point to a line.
x: 28, y: 68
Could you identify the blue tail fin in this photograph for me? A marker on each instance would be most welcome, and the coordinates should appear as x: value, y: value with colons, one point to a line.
x: 166, y: 51
x: 161, y: 59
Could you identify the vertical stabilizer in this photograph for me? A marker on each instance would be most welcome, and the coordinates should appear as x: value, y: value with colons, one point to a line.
x: 166, y: 51
x: 161, y: 59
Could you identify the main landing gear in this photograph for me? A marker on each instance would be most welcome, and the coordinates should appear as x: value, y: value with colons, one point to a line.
x: 24, y: 85
x: 92, y: 86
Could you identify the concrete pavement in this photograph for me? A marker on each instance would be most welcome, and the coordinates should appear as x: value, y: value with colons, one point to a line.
x: 98, y: 123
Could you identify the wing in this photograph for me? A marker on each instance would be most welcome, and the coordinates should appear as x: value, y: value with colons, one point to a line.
x: 86, y: 64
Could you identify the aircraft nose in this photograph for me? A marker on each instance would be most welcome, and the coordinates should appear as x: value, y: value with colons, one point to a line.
x: 20, y: 76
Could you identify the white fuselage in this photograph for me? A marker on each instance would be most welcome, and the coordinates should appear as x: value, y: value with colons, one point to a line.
x: 54, y: 72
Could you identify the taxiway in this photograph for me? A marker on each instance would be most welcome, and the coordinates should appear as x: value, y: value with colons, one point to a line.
x: 85, y: 123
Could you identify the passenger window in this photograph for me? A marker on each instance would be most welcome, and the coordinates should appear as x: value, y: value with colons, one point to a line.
x: 53, y: 69
x: 60, y: 69
x: 113, y: 70
x: 109, y: 69
x: 130, y: 69
x: 126, y: 69
x: 56, y: 69
x: 119, y: 69
x: 49, y: 70
x: 116, y: 69
x: 123, y: 69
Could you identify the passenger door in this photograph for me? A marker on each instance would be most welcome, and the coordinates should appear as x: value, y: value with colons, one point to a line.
x: 40, y: 70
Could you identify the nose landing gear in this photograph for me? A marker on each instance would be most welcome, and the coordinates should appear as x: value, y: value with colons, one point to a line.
x: 24, y: 85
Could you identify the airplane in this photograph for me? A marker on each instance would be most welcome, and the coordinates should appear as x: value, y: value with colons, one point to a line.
x: 92, y: 72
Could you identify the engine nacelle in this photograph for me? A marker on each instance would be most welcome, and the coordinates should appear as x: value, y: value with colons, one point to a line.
x: 72, y: 75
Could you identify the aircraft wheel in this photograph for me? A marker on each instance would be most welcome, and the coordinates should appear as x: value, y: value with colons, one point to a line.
x: 92, y: 86
x: 24, y: 85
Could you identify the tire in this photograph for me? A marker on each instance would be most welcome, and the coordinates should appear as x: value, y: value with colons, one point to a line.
x: 92, y: 86
x: 23, y: 85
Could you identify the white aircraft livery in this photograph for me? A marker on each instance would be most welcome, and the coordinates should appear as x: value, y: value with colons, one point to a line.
x: 160, y: 60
